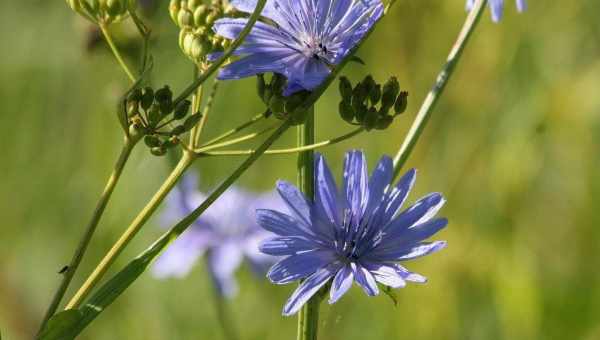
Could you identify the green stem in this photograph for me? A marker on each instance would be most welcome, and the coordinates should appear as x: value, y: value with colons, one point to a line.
x: 308, y: 317
x: 116, y: 52
x: 224, y: 315
x: 131, y: 231
x: 234, y: 141
x: 235, y: 130
x: 205, y: 113
x: 217, y: 64
x: 90, y: 229
x: 444, y: 76
x: 283, y: 151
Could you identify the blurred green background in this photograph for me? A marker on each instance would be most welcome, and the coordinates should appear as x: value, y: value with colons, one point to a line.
x: 514, y: 145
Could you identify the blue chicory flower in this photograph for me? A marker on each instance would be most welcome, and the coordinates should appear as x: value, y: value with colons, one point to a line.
x: 227, y: 232
x: 309, y: 36
x: 352, y: 234
x: 497, y: 7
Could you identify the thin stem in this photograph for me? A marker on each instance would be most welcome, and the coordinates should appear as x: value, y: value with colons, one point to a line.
x: 235, y: 130
x: 442, y: 80
x: 90, y: 229
x: 206, y: 112
x: 224, y: 315
x: 284, y: 151
x: 235, y: 141
x: 131, y: 231
x: 116, y: 52
x: 217, y: 64
x: 308, y: 317
x: 196, y: 103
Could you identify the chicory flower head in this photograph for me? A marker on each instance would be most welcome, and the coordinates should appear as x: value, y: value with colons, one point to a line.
x: 350, y: 235
x: 227, y: 232
x: 497, y: 7
x: 306, y: 39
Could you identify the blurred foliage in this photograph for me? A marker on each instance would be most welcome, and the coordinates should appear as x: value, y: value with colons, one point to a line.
x: 514, y: 145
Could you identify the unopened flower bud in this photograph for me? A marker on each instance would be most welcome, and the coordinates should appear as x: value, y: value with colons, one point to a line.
x: 278, y: 82
x: 345, y: 89
x: 369, y: 84
x: 346, y: 111
x: 147, y: 98
x: 158, y: 151
x: 370, y: 119
x: 200, y: 15
x: 182, y: 109
x: 375, y: 94
x: 152, y: 141
x: 277, y: 104
x: 174, y: 7
x: 389, y: 93
x: 185, y: 18
x: 154, y: 115
x: 261, y: 85
x: 192, y: 120
x: 401, y: 103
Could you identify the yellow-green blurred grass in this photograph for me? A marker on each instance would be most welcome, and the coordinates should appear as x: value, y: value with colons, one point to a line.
x: 514, y: 146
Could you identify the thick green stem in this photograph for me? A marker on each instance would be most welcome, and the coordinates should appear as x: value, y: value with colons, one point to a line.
x: 90, y: 229
x: 308, y: 317
x: 116, y: 52
x: 442, y: 80
x: 131, y: 231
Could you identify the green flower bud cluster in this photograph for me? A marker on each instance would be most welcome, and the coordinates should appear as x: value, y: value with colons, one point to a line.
x: 272, y: 95
x: 103, y: 11
x: 195, y: 18
x: 369, y: 104
x: 150, y: 114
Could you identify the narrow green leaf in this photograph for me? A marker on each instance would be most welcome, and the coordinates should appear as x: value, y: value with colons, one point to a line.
x: 61, y: 326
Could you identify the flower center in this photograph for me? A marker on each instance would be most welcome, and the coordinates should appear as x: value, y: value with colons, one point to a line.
x: 315, y: 48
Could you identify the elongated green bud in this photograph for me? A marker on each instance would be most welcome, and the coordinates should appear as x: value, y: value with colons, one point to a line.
x: 261, y: 86
x: 345, y: 89
x: 200, y: 14
x: 277, y: 104
x: 182, y: 109
x: 185, y: 18
x: 277, y: 83
x: 174, y: 7
x: 346, y: 111
x: 389, y: 94
x: 375, y: 94
x: 401, y: 103
x: 371, y: 118
x: 152, y: 141
x: 158, y: 151
x: 147, y: 98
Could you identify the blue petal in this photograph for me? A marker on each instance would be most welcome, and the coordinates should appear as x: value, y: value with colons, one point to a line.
x: 309, y: 288
x: 386, y: 275
x: 419, y: 250
x: 341, y: 284
x: 299, y: 266
x: 400, y: 238
x: 496, y: 7
x: 396, y: 197
x: 281, y: 224
x: 380, y: 180
x: 177, y: 261
x: 521, y: 5
x: 422, y: 211
x: 283, y: 246
x: 326, y: 192
x: 252, y: 65
x: 365, y: 280
x: 356, y: 179
x: 295, y: 200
